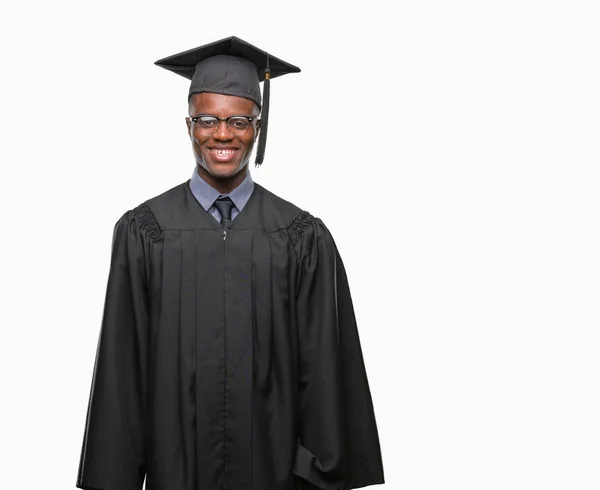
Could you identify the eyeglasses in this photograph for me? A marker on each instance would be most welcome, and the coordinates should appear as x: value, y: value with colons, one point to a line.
x: 235, y: 124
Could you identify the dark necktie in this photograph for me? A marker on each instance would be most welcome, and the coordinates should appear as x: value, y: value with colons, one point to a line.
x: 224, y: 205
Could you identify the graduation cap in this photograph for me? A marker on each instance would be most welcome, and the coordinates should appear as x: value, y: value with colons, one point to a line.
x: 231, y: 66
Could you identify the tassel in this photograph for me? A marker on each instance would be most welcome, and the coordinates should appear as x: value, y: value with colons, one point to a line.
x: 264, y: 119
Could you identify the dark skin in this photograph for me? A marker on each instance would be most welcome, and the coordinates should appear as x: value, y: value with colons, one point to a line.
x: 222, y: 158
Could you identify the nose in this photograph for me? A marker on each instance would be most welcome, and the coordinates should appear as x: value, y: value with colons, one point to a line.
x: 222, y: 133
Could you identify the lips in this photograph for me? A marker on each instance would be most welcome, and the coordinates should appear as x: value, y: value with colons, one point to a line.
x: 223, y: 154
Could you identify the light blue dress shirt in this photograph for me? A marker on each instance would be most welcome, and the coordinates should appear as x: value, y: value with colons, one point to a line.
x: 206, y: 194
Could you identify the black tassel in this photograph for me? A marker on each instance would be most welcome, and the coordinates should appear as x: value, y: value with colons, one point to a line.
x: 264, y: 118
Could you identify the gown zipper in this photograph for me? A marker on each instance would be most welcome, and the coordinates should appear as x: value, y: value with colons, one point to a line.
x: 225, y: 461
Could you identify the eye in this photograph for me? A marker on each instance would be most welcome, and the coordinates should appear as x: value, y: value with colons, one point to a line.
x: 238, y: 122
x: 207, y: 122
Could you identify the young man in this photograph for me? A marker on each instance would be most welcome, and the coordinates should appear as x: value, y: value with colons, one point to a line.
x: 229, y: 356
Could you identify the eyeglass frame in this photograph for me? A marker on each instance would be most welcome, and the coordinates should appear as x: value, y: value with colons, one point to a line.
x: 251, y: 120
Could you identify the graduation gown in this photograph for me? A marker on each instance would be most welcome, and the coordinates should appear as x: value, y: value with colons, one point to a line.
x: 227, y: 361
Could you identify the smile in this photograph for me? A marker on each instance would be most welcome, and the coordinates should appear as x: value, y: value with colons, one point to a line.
x: 223, y: 152
x: 223, y: 155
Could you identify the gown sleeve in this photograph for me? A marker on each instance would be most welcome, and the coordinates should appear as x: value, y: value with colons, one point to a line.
x: 113, y: 454
x: 338, y: 445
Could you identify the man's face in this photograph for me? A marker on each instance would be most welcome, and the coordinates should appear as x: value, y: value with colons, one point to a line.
x: 222, y: 154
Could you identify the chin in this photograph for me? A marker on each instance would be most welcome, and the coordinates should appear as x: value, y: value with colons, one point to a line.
x: 223, y: 171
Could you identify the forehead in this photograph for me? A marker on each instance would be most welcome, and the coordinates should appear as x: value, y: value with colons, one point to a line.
x: 221, y: 105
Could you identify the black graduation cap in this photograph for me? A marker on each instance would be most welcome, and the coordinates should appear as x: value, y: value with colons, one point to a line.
x: 231, y: 66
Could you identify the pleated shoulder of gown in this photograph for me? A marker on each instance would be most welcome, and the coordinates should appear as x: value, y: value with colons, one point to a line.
x: 178, y: 209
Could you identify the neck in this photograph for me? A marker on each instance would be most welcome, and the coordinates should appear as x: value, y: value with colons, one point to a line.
x: 226, y: 185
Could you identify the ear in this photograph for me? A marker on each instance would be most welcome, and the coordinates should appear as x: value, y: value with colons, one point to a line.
x: 188, y: 121
x: 257, y: 132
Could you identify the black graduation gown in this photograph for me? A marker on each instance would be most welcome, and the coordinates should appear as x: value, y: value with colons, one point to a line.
x: 227, y: 363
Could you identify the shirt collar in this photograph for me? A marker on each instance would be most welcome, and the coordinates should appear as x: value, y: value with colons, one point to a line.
x: 206, y: 194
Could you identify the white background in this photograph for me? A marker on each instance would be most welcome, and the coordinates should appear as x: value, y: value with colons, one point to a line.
x: 452, y: 148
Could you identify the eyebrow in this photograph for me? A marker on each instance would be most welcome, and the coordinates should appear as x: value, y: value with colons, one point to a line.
x: 233, y: 115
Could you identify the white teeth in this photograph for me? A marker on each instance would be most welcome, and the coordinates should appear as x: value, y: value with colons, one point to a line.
x: 224, y: 152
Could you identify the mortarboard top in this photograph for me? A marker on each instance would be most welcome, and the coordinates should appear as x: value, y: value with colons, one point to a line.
x: 231, y: 66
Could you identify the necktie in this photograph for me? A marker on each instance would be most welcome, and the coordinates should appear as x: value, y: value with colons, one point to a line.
x: 224, y: 205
